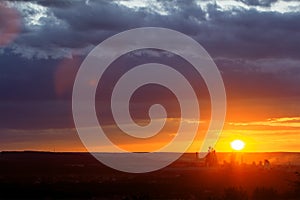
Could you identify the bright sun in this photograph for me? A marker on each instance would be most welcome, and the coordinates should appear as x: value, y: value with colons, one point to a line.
x: 237, y: 145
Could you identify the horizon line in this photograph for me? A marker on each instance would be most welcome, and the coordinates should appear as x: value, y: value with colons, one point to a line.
x: 42, y: 151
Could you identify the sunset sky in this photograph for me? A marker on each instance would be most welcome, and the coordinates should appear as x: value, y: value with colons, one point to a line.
x: 254, y: 43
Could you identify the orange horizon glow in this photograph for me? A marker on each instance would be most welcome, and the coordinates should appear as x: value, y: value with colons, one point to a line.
x: 256, y: 122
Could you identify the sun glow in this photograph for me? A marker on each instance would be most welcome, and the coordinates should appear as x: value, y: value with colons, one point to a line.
x: 237, y: 145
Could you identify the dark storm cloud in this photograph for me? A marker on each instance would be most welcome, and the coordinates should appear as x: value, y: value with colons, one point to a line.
x: 99, y: 16
x: 265, y: 3
x: 23, y: 79
x: 57, y: 4
x: 252, y: 34
x: 260, y: 78
x: 235, y: 32
x: 257, y: 52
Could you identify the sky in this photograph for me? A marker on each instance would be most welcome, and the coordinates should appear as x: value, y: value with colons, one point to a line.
x: 254, y: 43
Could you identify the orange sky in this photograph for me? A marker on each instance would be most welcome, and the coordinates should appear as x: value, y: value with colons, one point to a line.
x: 265, y: 125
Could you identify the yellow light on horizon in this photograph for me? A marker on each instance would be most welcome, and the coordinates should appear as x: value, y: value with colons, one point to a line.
x: 237, y: 145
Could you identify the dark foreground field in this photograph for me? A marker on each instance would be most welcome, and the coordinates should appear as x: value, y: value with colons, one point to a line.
x: 79, y: 175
